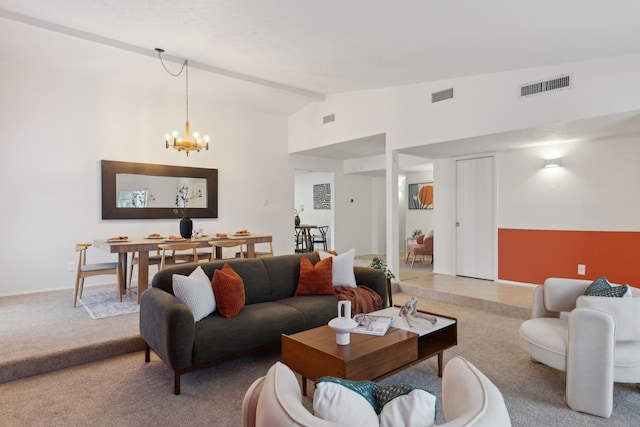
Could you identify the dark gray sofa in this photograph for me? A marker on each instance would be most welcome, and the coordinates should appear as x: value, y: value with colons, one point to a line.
x: 168, y: 328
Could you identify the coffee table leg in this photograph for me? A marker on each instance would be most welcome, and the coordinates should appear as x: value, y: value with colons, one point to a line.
x: 304, y: 386
x: 440, y: 364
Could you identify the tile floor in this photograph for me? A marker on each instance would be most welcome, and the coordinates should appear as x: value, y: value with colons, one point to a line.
x: 503, y: 298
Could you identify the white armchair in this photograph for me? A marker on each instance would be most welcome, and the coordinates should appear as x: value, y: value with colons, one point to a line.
x: 595, y: 340
x: 469, y: 399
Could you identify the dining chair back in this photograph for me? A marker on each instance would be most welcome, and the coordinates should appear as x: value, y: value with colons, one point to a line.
x: 320, y: 238
x: 172, y: 253
x: 232, y: 243
x: 154, y: 259
x: 259, y: 254
x: 87, y: 270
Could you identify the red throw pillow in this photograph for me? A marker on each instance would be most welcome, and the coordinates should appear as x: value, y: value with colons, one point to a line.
x: 228, y: 289
x: 315, y: 280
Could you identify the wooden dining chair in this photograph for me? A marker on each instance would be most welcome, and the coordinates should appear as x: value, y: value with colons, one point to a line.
x: 174, y: 253
x: 320, y: 238
x: 154, y: 259
x: 259, y: 254
x: 227, y: 244
x: 88, y: 270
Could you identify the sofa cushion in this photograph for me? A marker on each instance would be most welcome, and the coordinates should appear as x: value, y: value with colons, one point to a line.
x: 195, y: 292
x: 342, y: 268
x: 283, y: 272
x: 315, y: 279
x: 316, y: 309
x: 257, y: 325
x: 420, y: 239
x: 257, y: 287
x: 228, y: 289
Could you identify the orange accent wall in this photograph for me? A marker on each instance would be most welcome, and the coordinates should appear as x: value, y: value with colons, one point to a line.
x: 530, y: 256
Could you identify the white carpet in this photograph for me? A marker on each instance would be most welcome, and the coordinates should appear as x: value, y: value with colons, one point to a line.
x: 103, y: 303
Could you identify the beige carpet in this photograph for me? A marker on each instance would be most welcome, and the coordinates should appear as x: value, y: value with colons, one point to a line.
x: 124, y: 391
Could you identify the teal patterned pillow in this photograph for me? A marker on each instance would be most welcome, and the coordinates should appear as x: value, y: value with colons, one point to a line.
x: 600, y: 284
x: 613, y: 291
x: 602, y: 288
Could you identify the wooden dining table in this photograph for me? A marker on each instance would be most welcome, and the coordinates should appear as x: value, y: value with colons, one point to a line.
x: 305, y: 229
x: 144, y: 245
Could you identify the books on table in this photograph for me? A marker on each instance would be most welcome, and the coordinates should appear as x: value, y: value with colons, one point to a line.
x: 371, y: 324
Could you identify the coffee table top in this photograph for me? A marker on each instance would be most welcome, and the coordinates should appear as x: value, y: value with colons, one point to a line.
x: 419, y: 325
x: 324, y: 339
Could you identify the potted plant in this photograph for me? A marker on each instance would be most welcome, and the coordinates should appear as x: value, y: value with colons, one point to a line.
x: 182, y: 202
x: 379, y: 264
x: 417, y: 232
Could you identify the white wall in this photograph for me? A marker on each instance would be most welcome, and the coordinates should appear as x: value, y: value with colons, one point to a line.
x: 57, y: 126
x: 483, y: 105
x: 488, y: 105
x: 595, y: 189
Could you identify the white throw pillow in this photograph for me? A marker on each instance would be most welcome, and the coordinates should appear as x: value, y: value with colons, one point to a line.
x: 417, y: 408
x: 342, y: 268
x: 195, y: 292
x: 343, y: 406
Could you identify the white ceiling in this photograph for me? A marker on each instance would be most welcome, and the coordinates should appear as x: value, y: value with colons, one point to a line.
x: 308, y: 49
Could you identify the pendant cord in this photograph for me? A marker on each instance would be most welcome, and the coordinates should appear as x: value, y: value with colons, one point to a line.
x: 185, y: 64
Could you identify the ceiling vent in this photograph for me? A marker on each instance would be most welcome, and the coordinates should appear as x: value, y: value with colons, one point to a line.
x: 443, y: 95
x: 536, y: 88
x: 328, y: 119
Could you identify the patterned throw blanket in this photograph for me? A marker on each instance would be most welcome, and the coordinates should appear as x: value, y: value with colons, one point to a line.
x: 363, y: 299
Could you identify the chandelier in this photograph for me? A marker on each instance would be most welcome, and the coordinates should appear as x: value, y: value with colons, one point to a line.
x: 190, y: 142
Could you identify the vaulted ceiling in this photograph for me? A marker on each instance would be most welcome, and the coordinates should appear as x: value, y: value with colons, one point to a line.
x: 309, y: 49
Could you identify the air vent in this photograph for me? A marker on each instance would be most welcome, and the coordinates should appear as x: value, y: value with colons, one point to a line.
x: 328, y: 119
x: 443, y: 95
x: 558, y: 83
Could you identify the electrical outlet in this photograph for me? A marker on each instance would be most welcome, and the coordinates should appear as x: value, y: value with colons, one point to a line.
x: 582, y: 269
x: 72, y: 266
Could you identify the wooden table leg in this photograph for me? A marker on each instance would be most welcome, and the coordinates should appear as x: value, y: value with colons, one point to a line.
x: 122, y: 259
x: 251, y: 250
x: 440, y: 356
x: 143, y: 272
x: 304, y: 386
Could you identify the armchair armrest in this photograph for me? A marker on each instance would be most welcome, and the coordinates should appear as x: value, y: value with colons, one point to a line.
x: 590, y: 361
x: 624, y: 312
x: 167, y: 326
x: 373, y: 279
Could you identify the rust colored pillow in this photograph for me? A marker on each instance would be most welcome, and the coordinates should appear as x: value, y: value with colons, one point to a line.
x: 420, y: 239
x: 315, y: 279
x: 228, y: 289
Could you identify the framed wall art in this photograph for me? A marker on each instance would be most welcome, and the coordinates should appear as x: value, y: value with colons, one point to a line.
x: 421, y: 196
x: 322, y: 196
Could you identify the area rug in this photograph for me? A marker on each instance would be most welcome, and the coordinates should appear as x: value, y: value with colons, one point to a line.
x: 103, y: 303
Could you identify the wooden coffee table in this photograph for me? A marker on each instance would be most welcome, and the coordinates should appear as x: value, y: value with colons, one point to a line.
x: 314, y: 353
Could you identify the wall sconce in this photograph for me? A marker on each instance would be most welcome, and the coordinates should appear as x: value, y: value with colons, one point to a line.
x: 553, y: 163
